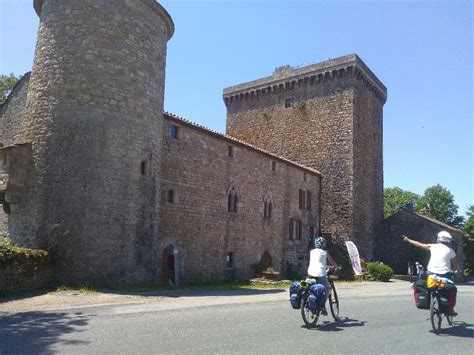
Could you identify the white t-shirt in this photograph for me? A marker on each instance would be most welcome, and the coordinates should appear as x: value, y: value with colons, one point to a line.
x: 440, y: 261
x: 317, y: 263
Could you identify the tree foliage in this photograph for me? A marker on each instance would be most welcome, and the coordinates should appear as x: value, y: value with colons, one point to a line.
x: 396, y: 199
x: 439, y: 204
x: 469, y: 224
x: 7, y: 82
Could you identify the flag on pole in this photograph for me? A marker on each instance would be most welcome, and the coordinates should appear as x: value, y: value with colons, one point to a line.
x: 354, y: 256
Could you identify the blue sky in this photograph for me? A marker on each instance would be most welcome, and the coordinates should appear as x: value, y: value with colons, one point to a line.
x: 421, y: 50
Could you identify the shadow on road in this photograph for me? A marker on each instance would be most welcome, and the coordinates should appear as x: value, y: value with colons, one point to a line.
x: 35, y: 332
x: 458, y: 329
x: 337, y: 326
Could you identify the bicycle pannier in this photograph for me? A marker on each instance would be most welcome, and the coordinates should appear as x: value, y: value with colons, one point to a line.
x: 316, y: 296
x: 295, y: 294
x: 436, y: 281
x: 421, y: 294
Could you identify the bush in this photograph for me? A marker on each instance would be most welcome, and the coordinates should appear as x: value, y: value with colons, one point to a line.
x: 379, y: 272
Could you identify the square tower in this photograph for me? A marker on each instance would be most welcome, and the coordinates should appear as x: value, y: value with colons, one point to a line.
x: 327, y: 116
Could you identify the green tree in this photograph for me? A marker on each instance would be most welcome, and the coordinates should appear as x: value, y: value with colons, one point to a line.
x: 396, y: 199
x: 468, y: 230
x: 7, y: 82
x: 439, y: 204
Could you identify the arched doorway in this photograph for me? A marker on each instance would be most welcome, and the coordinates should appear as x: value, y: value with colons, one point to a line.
x: 265, y: 261
x: 168, y: 266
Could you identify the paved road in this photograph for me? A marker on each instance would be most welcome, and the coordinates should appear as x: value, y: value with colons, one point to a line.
x: 384, y: 322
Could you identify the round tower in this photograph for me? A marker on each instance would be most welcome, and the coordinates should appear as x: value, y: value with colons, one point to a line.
x: 94, y: 119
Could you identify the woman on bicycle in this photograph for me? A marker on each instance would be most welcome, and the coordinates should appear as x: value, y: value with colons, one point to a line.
x: 318, y: 263
x: 442, y: 255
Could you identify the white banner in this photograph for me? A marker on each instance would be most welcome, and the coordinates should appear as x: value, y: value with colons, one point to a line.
x: 354, y: 256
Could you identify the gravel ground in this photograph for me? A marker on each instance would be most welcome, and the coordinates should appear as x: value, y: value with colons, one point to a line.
x: 161, y: 300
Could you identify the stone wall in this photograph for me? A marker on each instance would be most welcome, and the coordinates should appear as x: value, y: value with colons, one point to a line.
x: 197, y: 167
x: 24, y: 270
x: 396, y: 253
x: 11, y: 113
x: 321, y: 116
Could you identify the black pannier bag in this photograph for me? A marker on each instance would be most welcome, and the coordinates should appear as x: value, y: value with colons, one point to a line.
x: 421, y: 294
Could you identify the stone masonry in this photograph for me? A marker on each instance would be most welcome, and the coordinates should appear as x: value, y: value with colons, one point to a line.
x: 327, y: 116
x: 197, y: 167
x: 93, y: 170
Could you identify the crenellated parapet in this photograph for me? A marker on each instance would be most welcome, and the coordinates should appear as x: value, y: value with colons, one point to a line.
x: 286, y: 78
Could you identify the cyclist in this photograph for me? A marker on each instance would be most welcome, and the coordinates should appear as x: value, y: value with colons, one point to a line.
x: 442, y: 255
x: 318, y: 264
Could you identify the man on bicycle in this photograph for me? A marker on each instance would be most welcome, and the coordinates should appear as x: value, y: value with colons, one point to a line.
x: 318, y: 264
x: 442, y: 255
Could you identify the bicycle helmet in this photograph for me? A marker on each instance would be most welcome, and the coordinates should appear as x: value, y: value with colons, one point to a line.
x: 320, y: 243
x: 444, y: 237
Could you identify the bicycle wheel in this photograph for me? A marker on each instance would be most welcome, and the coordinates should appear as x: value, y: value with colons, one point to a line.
x: 333, y: 301
x: 310, y: 318
x: 435, y: 313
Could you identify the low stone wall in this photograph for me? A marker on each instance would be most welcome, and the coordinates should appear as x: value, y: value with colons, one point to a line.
x: 24, y: 269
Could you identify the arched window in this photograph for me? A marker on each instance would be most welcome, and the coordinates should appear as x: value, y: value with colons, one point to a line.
x: 267, y: 206
x: 233, y: 200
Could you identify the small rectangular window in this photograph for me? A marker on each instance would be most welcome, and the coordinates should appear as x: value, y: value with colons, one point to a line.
x: 292, y: 226
x: 143, y: 167
x: 288, y: 103
x: 299, y: 229
x: 174, y: 132
x: 170, y: 196
x: 304, y: 177
x: 302, y: 200
x: 229, y: 260
x: 230, y: 151
x: 308, y: 200
x: 311, y: 233
x: 274, y: 165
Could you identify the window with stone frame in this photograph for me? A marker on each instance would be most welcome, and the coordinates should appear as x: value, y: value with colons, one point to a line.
x: 229, y: 260
x: 267, y: 207
x: 230, y: 151
x: 232, y: 200
x: 296, y: 229
x: 288, y: 103
x: 302, y: 199
x: 169, y: 196
x: 174, y: 132
x: 308, y: 200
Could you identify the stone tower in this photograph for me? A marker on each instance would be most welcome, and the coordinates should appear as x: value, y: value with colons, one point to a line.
x: 326, y: 116
x: 93, y: 116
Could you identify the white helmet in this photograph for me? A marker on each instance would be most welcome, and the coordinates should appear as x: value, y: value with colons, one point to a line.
x: 444, y: 237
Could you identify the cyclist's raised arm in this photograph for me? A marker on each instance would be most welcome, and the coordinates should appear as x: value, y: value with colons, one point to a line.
x: 415, y: 243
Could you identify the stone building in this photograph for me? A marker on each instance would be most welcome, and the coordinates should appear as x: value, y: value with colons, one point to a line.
x: 327, y: 116
x: 95, y: 171
x: 398, y: 254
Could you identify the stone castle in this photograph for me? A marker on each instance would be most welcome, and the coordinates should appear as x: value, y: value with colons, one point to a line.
x: 93, y: 169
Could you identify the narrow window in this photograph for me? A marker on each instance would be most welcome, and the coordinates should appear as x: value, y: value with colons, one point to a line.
x: 267, y: 209
x: 143, y: 167
x: 308, y: 200
x: 292, y: 226
x: 174, y: 132
x: 288, y: 103
x: 311, y: 232
x: 232, y: 201
x: 230, y: 151
x: 170, y: 196
x: 302, y: 200
x: 304, y: 177
x: 299, y: 229
x: 274, y: 165
x: 229, y: 260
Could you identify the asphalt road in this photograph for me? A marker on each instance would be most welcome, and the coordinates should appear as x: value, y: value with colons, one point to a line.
x: 381, y: 322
